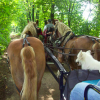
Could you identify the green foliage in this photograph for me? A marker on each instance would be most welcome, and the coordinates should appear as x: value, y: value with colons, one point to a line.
x: 5, y: 23
x: 4, y: 41
x: 15, y: 14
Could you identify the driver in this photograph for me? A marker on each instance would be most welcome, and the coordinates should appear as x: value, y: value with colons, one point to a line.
x: 48, y: 28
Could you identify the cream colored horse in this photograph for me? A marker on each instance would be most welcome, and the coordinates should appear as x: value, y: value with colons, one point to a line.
x: 30, y: 29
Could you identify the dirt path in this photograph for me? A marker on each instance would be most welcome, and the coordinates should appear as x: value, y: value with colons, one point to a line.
x: 49, y: 87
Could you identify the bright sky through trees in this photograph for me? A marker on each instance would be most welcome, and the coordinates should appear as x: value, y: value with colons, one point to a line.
x: 88, y: 11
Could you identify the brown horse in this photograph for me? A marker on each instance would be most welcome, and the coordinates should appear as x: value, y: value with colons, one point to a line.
x: 73, y: 44
x: 27, y: 66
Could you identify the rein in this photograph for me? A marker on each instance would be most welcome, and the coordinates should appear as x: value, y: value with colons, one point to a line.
x: 63, y: 47
x: 63, y: 53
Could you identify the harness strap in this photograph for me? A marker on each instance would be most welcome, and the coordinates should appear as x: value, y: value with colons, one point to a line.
x: 25, y: 39
x: 64, y: 37
x: 69, y: 38
x: 18, y: 89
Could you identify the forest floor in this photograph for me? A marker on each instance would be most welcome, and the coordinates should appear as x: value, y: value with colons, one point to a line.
x: 49, y: 87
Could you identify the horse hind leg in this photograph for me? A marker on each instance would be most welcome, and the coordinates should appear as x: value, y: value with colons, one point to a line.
x: 29, y: 90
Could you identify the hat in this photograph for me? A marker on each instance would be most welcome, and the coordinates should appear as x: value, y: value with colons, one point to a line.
x: 49, y: 20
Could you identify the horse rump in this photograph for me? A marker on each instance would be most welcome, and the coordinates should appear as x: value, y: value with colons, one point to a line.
x: 29, y: 89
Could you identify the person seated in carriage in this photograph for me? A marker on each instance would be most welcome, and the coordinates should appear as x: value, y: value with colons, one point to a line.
x: 40, y: 34
x: 78, y: 92
x: 48, y: 29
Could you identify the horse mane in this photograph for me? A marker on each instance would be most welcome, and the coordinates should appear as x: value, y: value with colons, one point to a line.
x: 62, y: 28
x: 29, y: 89
x: 30, y: 29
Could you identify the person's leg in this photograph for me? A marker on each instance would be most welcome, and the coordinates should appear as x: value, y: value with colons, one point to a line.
x: 98, y: 84
x: 94, y: 82
x: 77, y: 93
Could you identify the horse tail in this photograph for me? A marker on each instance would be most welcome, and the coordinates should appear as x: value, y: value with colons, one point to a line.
x: 29, y: 89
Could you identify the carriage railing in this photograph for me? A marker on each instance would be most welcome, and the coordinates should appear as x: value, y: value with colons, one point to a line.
x: 63, y: 72
x: 90, y: 86
x: 55, y: 60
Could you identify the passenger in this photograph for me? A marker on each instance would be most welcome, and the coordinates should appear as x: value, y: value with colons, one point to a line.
x: 47, y: 31
x: 48, y: 28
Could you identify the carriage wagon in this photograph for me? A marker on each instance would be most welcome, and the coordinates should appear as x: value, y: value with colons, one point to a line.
x: 35, y: 46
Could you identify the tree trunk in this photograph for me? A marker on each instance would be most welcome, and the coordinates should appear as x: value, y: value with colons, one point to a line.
x: 33, y: 13
x: 30, y: 15
x: 52, y: 11
x: 69, y: 22
x: 37, y: 14
x: 62, y: 17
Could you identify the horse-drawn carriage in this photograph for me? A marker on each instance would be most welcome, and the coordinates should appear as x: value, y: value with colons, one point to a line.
x: 68, y: 45
x: 32, y: 54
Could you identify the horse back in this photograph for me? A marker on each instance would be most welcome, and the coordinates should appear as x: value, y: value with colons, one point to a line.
x: 14, y: 50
